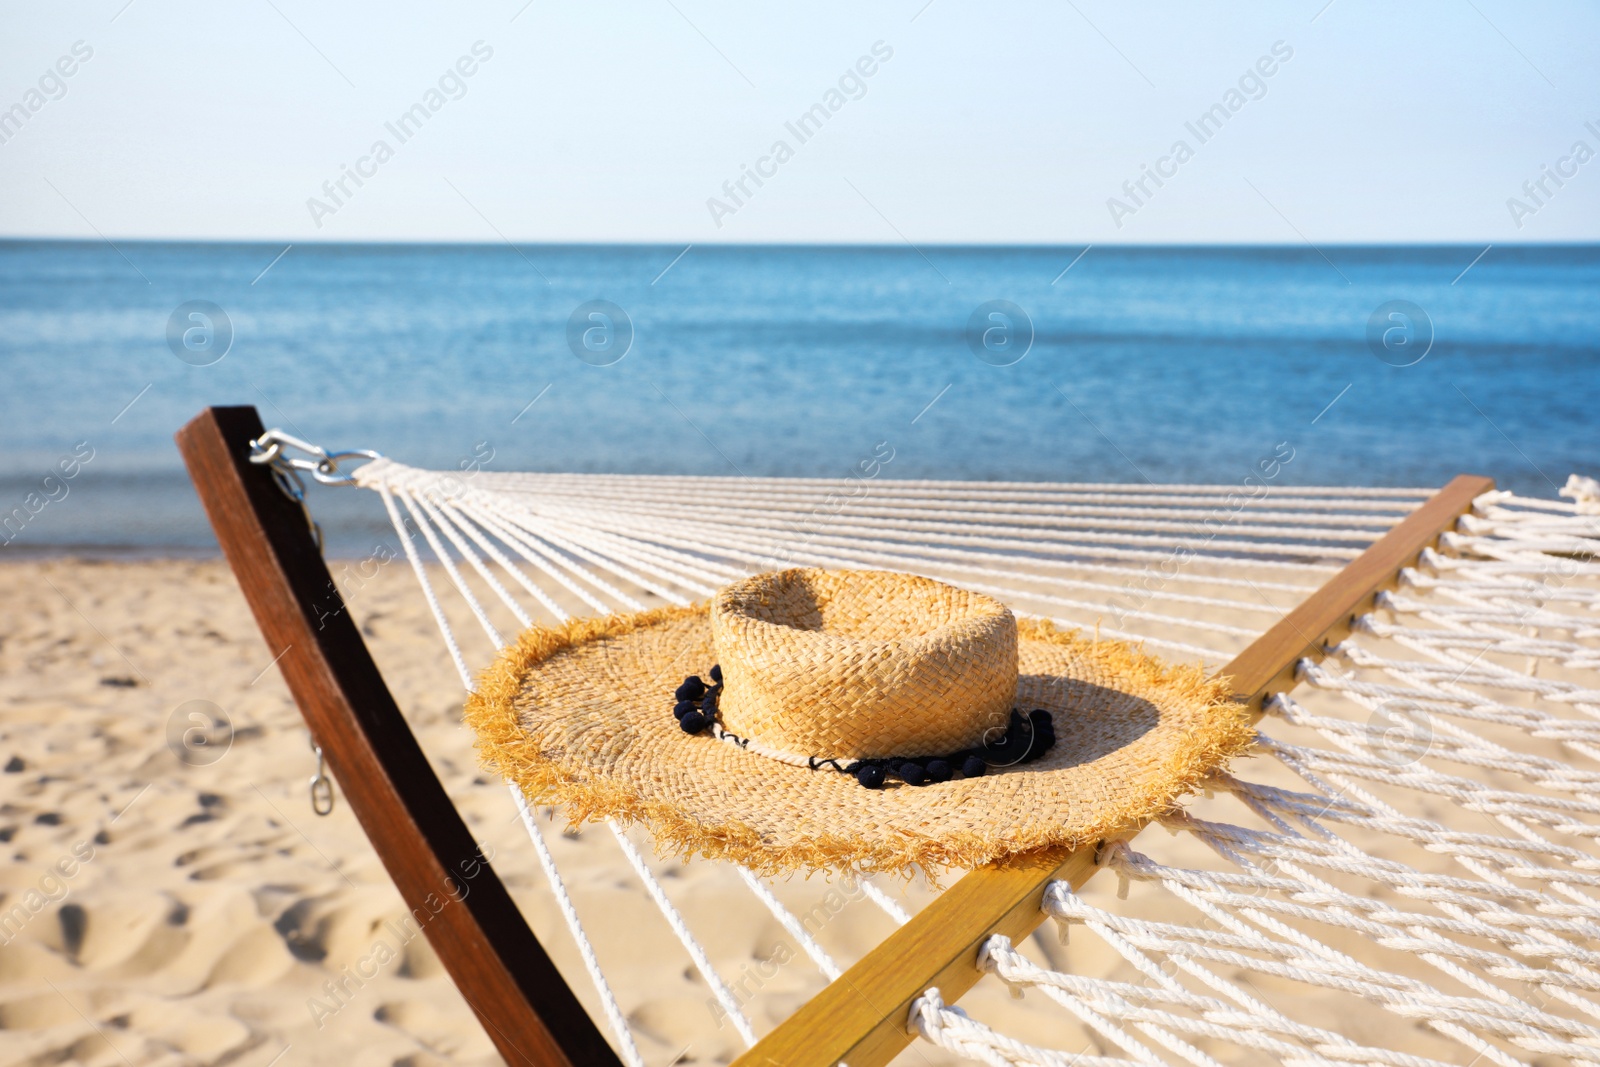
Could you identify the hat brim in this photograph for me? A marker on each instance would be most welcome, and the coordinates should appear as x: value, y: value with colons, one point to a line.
x: 579, y: 715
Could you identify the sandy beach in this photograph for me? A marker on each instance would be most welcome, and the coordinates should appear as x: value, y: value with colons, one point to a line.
x: 167, y: 910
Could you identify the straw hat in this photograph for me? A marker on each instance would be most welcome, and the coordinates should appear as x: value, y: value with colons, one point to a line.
x: 861, y: 720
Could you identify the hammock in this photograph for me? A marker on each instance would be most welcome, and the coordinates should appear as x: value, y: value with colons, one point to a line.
x: 1460, y: 721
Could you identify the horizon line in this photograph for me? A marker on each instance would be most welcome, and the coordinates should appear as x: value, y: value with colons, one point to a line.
x: 273, y: 242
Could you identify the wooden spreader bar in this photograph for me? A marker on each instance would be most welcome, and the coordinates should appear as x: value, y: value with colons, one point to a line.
x: 860, y: 1019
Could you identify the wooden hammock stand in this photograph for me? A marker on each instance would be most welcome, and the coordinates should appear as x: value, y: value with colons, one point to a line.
x: 504, y: 974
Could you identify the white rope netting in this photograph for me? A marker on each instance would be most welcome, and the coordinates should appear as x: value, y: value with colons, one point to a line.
x: 1429, y: 853
x: 1482, y: 662
x: 1196, y: 570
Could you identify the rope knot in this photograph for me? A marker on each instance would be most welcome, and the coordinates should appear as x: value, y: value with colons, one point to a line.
x: 1115, y: 854
x: 999, y: 945
x: 928, y: 1014
x: 1065, y: 907
x: 992, y: 944
x: 1583, y: 492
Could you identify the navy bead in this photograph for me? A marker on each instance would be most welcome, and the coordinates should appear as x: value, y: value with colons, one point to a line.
x: 1044, y: 733
x: 682, y: 708
x: 694, y: 722
x: 912, y: 773
x: 1013, y: 748
x: 973, y: 767
x: 691, y: 689
x: 716, y: 673
x: 870, y: 775
x: 938, y: 771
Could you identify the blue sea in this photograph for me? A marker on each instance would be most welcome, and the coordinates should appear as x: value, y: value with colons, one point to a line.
x: 1392, y: 366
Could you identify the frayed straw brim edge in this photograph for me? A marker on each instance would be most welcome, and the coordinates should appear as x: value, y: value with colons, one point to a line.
x: 506, y: 749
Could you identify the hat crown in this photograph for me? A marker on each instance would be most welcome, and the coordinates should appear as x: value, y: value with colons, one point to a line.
x: 862, y: 664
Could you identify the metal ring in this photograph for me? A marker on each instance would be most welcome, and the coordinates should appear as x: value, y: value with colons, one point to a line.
x: 272, y: 449
x: 321, y: 785
x: 327, y: 471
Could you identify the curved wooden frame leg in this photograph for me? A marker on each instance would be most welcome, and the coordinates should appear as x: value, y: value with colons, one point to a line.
x: 470, y: 920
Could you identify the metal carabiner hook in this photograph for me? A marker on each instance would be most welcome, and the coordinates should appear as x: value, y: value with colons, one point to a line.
x: 269, y: 450
x: 328, y: 471
x: 321, y: 785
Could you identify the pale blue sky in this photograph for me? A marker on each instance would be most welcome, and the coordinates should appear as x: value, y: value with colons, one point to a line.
x: 618, y: 121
